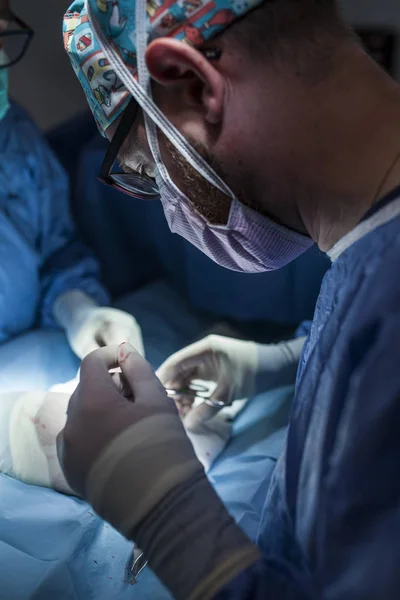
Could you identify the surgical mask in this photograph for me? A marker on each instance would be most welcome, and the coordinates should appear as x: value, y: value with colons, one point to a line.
x: 249, y: 242
x: 4, y: 99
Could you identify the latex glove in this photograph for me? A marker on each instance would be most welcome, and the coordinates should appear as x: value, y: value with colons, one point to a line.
x: 139, y: 471
x: 240, y: 369
x: 29, y: 425
x: 210, y: 429
x: 89, y: 327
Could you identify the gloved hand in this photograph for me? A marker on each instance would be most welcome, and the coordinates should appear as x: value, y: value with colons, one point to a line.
x: 139, y: 471
x: 240, y: 369
x: 89, y: 327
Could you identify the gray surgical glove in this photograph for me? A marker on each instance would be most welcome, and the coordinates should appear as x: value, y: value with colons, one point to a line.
x: 132, y: 460
x: 239, y: 369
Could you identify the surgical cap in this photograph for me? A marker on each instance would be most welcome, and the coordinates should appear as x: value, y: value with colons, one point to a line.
x: 192, y: 21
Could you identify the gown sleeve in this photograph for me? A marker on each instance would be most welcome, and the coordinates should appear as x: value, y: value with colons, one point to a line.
x: 357, y: 525
x: 38, y: 208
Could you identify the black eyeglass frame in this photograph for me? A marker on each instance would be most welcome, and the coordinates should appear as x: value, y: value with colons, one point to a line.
x: 8, y: 15
x: 115, y: 179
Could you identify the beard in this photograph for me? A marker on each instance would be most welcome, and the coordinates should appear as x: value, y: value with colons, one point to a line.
x: 205, y: 198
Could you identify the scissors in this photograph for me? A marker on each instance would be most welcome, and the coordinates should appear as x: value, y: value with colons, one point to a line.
x: 197, y: 391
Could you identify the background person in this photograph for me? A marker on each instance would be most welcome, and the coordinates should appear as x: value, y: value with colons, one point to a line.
x: 48, y: 278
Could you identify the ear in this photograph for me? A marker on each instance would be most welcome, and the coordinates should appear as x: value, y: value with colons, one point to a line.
x: 174, y: 63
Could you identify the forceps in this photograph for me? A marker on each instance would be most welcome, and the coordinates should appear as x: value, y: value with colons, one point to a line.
x: 137, y: 562
x: 198, y: 391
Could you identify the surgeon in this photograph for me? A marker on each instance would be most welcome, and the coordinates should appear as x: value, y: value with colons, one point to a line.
x: 265, y: 128
x: 47, y: 278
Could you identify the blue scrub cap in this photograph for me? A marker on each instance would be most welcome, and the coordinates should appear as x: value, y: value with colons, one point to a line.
x: 192, y: 21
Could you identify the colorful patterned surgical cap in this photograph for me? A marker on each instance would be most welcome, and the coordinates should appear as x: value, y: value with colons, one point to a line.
x: 192, y: 21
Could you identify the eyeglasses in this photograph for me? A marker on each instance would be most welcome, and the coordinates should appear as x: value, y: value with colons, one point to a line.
x: 138, y: 185
x: 15, y: 37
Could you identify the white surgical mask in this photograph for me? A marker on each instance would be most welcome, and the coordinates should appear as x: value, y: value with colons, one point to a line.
x: 249, y: 242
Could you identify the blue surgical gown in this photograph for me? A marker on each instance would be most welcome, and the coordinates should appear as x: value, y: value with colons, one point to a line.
x: 331, y: 521
x: 40, y: 255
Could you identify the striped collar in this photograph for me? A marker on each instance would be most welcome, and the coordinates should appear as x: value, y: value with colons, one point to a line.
x: 381, y: 213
